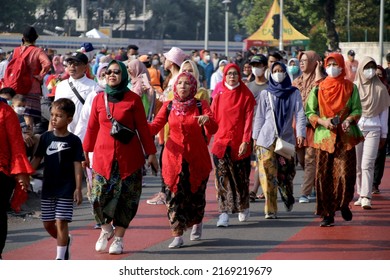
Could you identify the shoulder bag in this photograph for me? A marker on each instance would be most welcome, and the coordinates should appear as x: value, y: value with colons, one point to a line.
x: 282, y: 147
x: 118, y: 130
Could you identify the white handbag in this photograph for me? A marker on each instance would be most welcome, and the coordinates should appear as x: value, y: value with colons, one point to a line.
x: 282, y: 147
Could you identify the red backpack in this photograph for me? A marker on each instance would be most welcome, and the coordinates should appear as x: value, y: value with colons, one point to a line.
x: 18, y: 74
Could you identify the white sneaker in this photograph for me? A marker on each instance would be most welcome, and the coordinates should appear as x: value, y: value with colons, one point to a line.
x: 116, y: 247
x: 176, y: 243
x: 159, y: 198
x: 270, y: 216
x: 102, y: 242
x: 366, y: 203
x: 304, y: 199
x: 223, y: 220
x: 358, y: 202
x: 244, y: 216
x: 196, y: 233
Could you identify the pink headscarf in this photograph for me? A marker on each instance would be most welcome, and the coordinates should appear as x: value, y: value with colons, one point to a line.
x: 57, y: 65
x: 137, y: 69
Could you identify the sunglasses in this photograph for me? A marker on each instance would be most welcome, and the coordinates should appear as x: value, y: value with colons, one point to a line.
x: 115, y: 71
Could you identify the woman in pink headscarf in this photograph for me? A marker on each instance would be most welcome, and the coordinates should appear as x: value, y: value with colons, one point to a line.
x: 137, y: 70
x: 186, y: 159
x: 57, y: 65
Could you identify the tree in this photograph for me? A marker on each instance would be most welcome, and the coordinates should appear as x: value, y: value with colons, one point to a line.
x: 17, y: 15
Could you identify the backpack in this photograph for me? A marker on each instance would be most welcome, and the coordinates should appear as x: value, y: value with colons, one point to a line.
x: 18, y: 74
x: 199, y: 105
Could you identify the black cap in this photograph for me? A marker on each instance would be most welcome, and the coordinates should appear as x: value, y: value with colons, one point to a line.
x: 259, y: 58
x: 351, y: 53
x: 78, y: 56
x: 30, y: 34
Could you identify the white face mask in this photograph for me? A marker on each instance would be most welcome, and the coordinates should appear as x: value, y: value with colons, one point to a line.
x: 369, y: 73
x: 257, y: 71
x: 207, y: 57
x: 278, y: 76
x: 197, y: 58
x: 333, y: 71
x: 155, y: 62
x: 102, y: 83
x: 19, y: 110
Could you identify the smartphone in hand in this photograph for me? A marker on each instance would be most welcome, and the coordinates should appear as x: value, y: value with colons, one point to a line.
x: 145, y: 81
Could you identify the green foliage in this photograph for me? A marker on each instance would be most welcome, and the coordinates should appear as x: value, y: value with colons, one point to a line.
x: 16, y: 14
x: 184, y: 20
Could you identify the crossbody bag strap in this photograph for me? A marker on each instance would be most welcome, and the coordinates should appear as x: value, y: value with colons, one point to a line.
x: 200, y: 109
x: 76, y: 92
x: 273, y: 113
x: 109, y: 116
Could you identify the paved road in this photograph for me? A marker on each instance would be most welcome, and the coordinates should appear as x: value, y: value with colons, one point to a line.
x: 294, y: 235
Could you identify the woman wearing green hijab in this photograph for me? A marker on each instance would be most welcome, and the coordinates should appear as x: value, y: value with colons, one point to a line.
x: 117, y: 167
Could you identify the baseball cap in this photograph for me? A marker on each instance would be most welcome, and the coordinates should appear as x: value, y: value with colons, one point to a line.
x: 258, y: 59
x: 78, y: 56
x: 87, y: 47
x: 351, y: 52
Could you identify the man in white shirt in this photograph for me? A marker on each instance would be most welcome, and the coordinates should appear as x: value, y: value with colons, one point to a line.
x: 77, y: 65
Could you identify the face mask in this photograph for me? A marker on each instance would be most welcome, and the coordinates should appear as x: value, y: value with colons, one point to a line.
x: 197, y: 58
x: 155, y: 62
x: 333, y: 71
x: 293, y: 69
x: 278, y: 77
x: 257, y: 71
x: 19, y: 110
x: 207, y: 57
x: 102, y: 83
x: 9, y: 102
x: 369, y: 73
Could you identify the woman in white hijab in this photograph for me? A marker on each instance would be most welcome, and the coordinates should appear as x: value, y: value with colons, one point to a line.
x: 375, y: 102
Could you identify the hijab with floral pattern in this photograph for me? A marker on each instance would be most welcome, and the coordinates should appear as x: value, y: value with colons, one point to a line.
x: 180, y: 106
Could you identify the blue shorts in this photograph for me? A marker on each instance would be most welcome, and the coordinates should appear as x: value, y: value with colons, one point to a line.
x: 57, y: 209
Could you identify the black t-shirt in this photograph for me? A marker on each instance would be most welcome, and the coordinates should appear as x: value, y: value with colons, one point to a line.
x: 59, y: 155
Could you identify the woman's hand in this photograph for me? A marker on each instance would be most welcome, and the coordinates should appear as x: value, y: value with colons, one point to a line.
x: 345, y: 125
x: 153, y: 163
x: 23, y: 179
x: 326, y: 123
x: 243, y: 149
x: 300, y: 141
x: 202, y: 119
x: 85, y: 163
x: 28, y: 140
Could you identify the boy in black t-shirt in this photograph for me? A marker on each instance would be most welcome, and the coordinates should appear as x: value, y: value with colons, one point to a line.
x: 62, y: 178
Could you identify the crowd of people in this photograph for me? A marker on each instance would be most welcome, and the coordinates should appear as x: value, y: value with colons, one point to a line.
x: 93, y: 114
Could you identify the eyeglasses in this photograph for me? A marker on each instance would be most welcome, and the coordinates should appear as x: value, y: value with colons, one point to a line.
x: 74, y: 63
x: 232, y: 74
x: 115, y: 71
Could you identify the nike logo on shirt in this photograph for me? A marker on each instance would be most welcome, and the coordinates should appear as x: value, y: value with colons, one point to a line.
x: 56, y: 147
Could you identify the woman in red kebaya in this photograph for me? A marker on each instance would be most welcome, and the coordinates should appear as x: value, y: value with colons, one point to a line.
x: 14, y: 165
x: 186, y: 160
x: 233, y: 109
